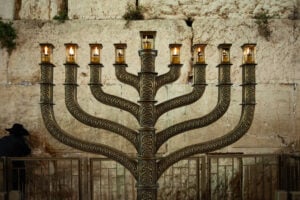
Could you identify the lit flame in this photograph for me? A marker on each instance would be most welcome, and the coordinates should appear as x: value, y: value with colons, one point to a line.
x: 96, y: 52
x: 46, y: 50
x: 248, y: 51
x: 199, y: 51
x: 175, y: 51
x: 120, y: 53
x: 71, y: 51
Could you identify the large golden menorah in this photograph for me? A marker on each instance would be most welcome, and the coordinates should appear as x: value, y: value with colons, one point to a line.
x: 147, y: 167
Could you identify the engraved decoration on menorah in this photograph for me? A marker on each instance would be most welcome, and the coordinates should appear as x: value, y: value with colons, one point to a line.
x: 147, y: 167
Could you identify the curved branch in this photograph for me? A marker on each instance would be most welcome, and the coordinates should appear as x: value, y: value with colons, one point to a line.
x: 113, y: 100
x: 225, y: 140
x: 180, y: 101
x: 214, y: 115
x: 172, y: 75
x: 126, y: 77
x: 65, y: 138
x: 75, y: 109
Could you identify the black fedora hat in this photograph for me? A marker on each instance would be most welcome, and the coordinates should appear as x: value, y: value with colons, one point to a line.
x: 17, y: 129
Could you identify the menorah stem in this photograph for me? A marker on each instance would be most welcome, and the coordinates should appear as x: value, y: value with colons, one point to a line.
x: 147, y: 181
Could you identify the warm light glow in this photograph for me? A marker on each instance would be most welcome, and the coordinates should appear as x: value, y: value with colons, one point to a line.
x: 175, y: 52
x: 147, y: 44
x: 71, y: 51
x: 46, y: 53
x: 225, y: 56
x: 120, y: 56
x: 147, y: 39
x: 248, y: 51
x: 120, y: 52
x: 200, y: 56
x: 248, y: 56
x: 199, y: 53
x: 96, y: 52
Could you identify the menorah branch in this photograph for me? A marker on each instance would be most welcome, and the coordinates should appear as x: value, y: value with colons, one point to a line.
x: 247, y: 114
x: 219, y: 110
x: 108, y: 99
x: 77, y: 112
x: 212, y: 145
x: 126, y: 77
x: 198, y: 90
x: 66, y: 138
x: 172, y: 75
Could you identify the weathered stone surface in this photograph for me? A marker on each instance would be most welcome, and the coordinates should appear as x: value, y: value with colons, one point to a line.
x: 153, y: 9
x: 216, y: 9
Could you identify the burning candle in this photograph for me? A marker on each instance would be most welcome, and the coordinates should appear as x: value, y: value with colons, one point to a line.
x: 71, y: 49
x: 225, y: 56
x: 95, y: 53
x: 200, y: 56
x: 120, y: 53
x: 46, y: 52
x: 147, y: 39
x: 199, y: 53
x: 248, y: 53
x: 120, y: 56
x: 225, y: 52
x: 175, y: 57
x: 71, y: 55
x: 175, y: 53
x: 147, y: 43
x: 46, y: 57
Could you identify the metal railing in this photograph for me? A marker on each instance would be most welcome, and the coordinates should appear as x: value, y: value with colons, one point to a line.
x: 209, y: 177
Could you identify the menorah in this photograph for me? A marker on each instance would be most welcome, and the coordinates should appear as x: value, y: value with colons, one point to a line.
x: 147, y: 167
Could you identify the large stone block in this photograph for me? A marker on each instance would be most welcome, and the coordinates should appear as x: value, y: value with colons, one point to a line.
x: 43, y: 9
x: 93, y: 9
x: 7, y: 9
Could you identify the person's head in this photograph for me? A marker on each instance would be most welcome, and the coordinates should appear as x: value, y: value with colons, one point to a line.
x: 17, y: 130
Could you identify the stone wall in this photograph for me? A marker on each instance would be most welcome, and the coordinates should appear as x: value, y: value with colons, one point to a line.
x: 276, y: 123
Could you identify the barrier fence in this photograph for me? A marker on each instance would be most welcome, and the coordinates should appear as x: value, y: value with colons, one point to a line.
x: 208, y: 177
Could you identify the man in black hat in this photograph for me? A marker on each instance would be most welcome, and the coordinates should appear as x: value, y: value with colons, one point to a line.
x: 15, y: 145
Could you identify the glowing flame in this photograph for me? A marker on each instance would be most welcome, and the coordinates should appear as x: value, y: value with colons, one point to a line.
x: 175, y: 51
x: 96, y: 52
x: 71, y: 51
x: 46, y: 51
